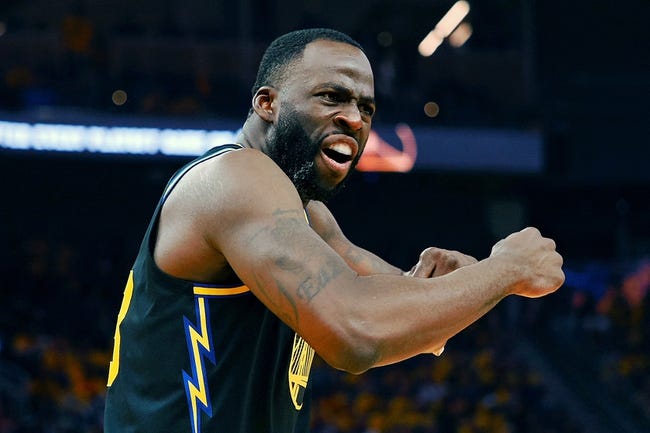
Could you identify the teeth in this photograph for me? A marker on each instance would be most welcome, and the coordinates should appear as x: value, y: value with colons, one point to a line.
x: 342, y: 149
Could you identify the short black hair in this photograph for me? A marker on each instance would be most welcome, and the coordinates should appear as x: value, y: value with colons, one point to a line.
x: 287, y: 48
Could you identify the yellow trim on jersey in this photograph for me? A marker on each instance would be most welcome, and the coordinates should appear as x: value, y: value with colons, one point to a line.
x: 220, y: 291
x: 228, y: 291
x: 114, y: 366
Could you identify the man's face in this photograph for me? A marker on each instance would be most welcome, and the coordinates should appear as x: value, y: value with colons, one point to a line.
x: 325, y: 112
x: 295, y: 152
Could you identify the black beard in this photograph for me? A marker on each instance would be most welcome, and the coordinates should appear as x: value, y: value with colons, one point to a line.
x: 294, y: 152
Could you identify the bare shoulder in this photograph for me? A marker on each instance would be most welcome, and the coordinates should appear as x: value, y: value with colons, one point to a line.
x: 227, y: 182
x: 212, y: 199
x: 244, y: 182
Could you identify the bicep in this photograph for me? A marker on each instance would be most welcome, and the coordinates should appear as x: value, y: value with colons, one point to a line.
x: 262, y: 231
x: 282, y: 261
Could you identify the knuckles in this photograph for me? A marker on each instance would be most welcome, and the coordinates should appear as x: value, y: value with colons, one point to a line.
x: 446, y: 259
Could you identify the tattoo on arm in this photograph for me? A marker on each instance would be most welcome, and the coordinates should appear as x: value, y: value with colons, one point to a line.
x: 286, y: 316
x: 306, y: 289
x: 311, y: 287
x: 310, y: 284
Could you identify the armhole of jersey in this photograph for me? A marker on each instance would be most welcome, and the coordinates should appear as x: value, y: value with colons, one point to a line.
x: 152, y: 230
x: 184, y: 170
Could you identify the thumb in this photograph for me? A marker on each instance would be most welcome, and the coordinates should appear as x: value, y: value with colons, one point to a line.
x: 423, y: 269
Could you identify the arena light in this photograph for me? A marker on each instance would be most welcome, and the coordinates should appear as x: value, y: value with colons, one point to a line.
x: 453, y: 17
x: 112, y: 140
x: 379, y: 155
x: 119, y: 97
x: 430, y: 44
x: 445, y: 26
x: 389, y: 148
x: 458, y: 37
x: 431, y: 109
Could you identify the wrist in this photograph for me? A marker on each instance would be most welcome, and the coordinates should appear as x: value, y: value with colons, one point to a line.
x: 507, y: 275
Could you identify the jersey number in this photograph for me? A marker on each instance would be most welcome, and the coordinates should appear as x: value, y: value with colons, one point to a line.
x: 115, y: 362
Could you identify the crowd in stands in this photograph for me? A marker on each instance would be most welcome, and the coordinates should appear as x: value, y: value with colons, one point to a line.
x: 54, y: 332
x: 477, y: 385
x: 57, y: 310
x: 59, y: 298
x: 609, y: 315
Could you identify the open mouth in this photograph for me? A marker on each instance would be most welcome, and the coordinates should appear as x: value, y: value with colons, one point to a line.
x: 341, y: 155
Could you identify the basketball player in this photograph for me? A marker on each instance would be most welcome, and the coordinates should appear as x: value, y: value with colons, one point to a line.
x: 243, y: 274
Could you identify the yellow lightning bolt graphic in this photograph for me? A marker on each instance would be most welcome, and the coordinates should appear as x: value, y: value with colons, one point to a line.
x: 196, y: 385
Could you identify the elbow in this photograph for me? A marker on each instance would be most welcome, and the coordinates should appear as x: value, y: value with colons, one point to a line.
x: 353, y: 362
x: 350, y: 349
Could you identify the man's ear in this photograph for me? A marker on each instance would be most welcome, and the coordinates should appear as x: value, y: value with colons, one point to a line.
x: 265, y: 103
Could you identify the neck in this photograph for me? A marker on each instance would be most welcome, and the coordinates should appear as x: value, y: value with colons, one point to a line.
x: 252, y: 134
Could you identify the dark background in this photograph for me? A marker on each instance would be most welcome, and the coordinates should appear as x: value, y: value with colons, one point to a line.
x: 577, y: 71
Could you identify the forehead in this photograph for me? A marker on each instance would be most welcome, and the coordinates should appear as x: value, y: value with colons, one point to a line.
x: 325, y: 61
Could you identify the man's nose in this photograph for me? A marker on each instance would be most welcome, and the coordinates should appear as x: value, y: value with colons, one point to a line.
x: 349, y: 118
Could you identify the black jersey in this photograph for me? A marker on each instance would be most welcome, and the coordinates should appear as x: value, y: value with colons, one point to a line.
x: 202, y: 358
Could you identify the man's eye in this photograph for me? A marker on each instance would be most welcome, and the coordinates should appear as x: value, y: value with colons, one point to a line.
x: 332, y: 96
x: 367, y: 109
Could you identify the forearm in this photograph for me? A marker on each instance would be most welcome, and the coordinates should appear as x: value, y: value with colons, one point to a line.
x: 356, y: 322
x: 366, y: 263
x: 392, y: 318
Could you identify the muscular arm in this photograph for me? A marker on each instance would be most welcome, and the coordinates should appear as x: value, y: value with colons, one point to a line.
x: 251, y: 214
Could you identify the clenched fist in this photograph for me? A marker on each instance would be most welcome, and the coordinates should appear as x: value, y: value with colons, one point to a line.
x: 533, y: 261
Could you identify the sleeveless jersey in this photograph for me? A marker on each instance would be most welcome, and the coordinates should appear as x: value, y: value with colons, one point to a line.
x: 196, y: 358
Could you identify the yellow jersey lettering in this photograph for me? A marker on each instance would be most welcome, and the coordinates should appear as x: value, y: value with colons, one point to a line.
x: 299, y: 368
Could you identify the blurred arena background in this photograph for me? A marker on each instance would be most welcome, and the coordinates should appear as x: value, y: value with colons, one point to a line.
x: 526, y: 113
